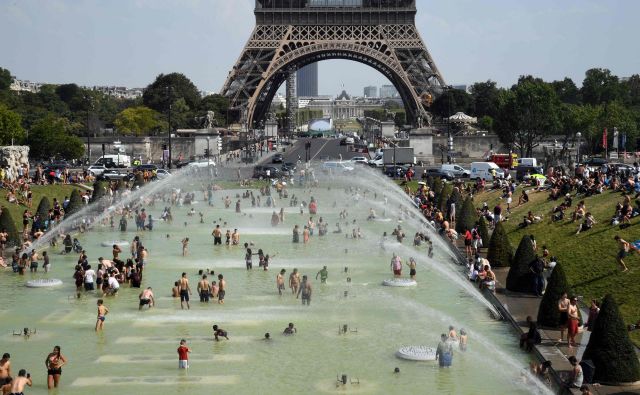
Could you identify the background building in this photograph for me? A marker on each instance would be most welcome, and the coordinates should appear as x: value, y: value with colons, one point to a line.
x: 370, y: 91
x: 387, y: 91
x: 307, y: 81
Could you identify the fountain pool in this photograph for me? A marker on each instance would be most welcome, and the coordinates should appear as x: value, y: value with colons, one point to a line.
x: 136, y: 352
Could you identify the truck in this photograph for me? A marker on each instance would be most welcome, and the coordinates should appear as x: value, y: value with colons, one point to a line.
x: 503, y: 160
x: 112, y: 161
x: 403, y: 156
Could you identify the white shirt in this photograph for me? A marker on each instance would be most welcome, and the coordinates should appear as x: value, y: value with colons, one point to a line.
x: 89, y: 275
x: 113, y: 283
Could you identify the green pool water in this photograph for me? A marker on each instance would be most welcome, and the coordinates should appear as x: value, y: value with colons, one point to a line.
x: 136, y: 352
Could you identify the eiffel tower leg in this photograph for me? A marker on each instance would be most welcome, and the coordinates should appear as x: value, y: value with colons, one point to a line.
x: 291, y: 101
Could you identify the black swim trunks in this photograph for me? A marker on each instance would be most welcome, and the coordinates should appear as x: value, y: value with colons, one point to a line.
x: 51, y: 372
x: 412, y: 272
x: 144, y: 302
x: 184, y: 295
x: 221, y: 295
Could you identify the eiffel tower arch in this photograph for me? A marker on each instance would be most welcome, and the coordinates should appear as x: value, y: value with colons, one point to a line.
x: 290, y: 34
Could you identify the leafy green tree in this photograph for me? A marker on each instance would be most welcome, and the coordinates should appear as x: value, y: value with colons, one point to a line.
x: 567, y: 91
x: 530, y: 112
x: 500, y: 251
x: 139, y: 121
x: 5, y: 79
x: 486, y: 123
x: 376, y: 113
x: 400, y: 118
x: 49, y: 138
x: 11, y: 130
x: 483, y: 229
x: 520, y: 278
x: 99, y: 190
x: 445, y: 192
x: 486, y: 99
x: 600, y: 86
x: 631, y: 91
x: 166, y: 90
x: 468, y: 217
x: 218, y: 104
x: 610, y: 348
x: 548, y: 314
x: 7, y: 223
x: 43, y: 207
x: 75, y: 203
x: 615, y: 114
x: 452, y: 101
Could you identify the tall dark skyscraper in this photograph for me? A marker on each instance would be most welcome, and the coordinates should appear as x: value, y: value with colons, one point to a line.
x: 307, y: 81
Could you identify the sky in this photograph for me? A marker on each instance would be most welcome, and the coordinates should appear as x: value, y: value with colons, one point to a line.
x: 129, y: 42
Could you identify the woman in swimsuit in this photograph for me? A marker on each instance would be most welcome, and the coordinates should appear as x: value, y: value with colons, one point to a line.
x: 54, y: 363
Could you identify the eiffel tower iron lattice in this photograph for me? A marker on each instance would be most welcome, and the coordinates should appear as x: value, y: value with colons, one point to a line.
x: 290, y: 34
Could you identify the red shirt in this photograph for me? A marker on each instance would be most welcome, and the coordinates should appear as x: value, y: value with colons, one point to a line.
x: 183, y: 353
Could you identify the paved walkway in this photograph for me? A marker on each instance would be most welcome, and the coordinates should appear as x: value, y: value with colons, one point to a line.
x: 516, y: 307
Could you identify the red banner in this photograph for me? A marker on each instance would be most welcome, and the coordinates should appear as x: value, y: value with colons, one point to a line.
x: 604, y: 138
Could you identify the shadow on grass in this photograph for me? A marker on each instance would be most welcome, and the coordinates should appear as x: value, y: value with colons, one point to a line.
x: 595, y: 279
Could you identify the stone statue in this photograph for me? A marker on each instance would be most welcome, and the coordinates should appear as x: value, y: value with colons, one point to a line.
x: 12, y: 158
x: 210, y: 120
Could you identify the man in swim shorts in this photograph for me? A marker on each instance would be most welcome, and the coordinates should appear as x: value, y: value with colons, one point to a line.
x: 5, y: 369
x: 146, y: 298
x: 323, y: 275
x: 18, y: 384
x: 185, y: 290
x: 222, y: 288
x: 102, y: 312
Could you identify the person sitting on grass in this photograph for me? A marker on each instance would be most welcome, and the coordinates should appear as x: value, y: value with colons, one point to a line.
x: 580, y: 211
x: 587, y: 224
x: 524, y: 198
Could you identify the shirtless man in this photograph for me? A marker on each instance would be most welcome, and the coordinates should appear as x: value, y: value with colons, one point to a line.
x: 280, y: 281
x: 563, y: 308
x: 217, y: 235
x: 185, y: 290
x: 146, y: 298
x: 102, y: 312
x: 622, y: 253
x: 5, y: 369
x: 324, y: 273
x: 116, y: 251
x: 18, y: 384
x: 235, y: 237
x: 222, y: 288
x: 294, y: 281
x: 185, y: 246
x: 305, y: 290
x: 175, y: 291
x: 204, y: 289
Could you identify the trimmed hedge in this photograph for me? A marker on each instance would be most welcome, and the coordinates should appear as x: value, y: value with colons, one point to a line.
x: 6, y: 222
x: 467, y: 217
x: 500, y: 251
x: 520, y: 278
x: 548, y: 314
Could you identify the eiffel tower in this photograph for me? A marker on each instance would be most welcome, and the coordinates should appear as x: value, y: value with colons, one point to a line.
x: 290, y: 34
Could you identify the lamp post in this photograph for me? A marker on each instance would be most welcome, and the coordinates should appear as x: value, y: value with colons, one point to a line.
x: 579, y: 136
x: 208, y: 152
x: 89, y: 104
x: 169, y: 91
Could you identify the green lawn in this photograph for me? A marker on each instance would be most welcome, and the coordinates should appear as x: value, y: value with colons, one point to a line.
x: 51, y: 191
x: 589, y: 259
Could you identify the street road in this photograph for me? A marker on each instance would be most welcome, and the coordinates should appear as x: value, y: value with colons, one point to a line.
x: 321, y: 149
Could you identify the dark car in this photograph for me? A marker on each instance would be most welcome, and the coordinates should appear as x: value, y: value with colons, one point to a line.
x: 596, y: 161
x: 277, y: 158
x: 147, y: 167
x: 56, y: 165
x: 114, y: 175
x: 523, y: 171
x: 400, y: 170
x: 261, y: 172
x: 442, y: 174
x: 288, y: 166
x: 343, y: 141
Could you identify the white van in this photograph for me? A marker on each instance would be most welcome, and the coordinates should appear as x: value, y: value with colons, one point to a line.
x: 111, y: 161
x: 482, y: 170
x: 456, y: 170
x: 527, y: 162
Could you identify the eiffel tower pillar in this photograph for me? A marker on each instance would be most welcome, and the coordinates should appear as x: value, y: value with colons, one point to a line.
x: 292, y: 102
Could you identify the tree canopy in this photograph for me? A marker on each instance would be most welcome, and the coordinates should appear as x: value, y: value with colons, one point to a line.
x: 50, y: 138
x: 139, y: 121
x: 11, y: 130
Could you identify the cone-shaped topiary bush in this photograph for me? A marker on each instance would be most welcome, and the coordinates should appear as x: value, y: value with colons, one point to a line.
x: 520, y: 278
x: 443, y: 197
x: 99, y: 190
x: 500, y: 251
x: 75, y: 203
x: 6, y: 222
x: 610, y: 348
x: 483, y: 229
x: 43, y: 207
x: 467, y: 216
x: 548, y: 314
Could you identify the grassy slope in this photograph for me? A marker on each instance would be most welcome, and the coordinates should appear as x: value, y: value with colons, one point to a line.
x: 51, y: 191
x: 589, y: 258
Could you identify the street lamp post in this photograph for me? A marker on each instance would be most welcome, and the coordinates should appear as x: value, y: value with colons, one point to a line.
x: 89, y: 104
x: 449, y: 138
x: 208, y: 152
x: 579, y: 136
x: 169, y: 91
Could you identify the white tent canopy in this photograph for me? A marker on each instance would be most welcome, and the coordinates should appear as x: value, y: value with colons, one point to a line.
x: 461, y: 117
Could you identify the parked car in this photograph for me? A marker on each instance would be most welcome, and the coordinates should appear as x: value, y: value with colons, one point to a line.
x: 442, y: 174
x: 377, y: 161
x: 524, y: 172
x: 277, y: 158
x: 288, y: 166
x: 115, y: 174
x: 261, y: 172
x: 161, y: 174
x: 396, y: 171
x: 96, y: 170
x: 202, y: 163
x: 147, y: 167
x: 359, y: 159
x: 456, y: 170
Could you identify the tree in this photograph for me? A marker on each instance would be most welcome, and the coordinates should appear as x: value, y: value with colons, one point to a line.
x: 75, y: 203
x: 11, y: 130
x: 520, y: 278
x: 139, y: 121
x: 467, y: 217
x: 610, y: 348
x: 483, y: 229
x: 6, y: 223
x: 567, y: 91
x: 500, y: 251
x: 600, y: 86
x: 99, y: 190
x: 445, y: 192
x: 400, y: 118
x: 486, y: 99
x: 548, y: 314
x: 43, y: 208
x: 528, y: 114
x: 5, y: 79
x: 631, y: 90
x: 486, y: 123
x: 50, y: 138
x: 166, y: 90
x: 219, y: 105
x: 452, y: 101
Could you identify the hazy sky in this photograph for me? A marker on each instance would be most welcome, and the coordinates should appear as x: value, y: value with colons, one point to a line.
x: 129, y: 42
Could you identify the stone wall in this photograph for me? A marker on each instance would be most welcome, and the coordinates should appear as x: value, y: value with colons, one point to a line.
x: 12, y: 158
